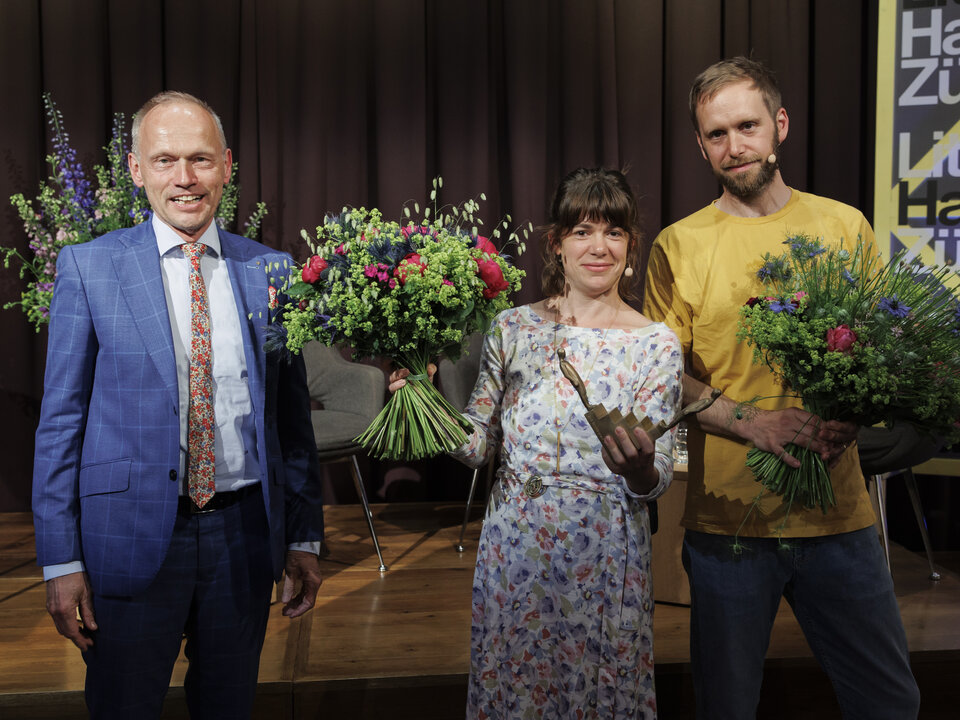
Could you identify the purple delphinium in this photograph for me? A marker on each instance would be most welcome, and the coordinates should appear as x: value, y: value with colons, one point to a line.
x: 69, y: 169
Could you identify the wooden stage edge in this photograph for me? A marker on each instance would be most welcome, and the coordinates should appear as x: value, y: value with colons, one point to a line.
x: 396, y: 644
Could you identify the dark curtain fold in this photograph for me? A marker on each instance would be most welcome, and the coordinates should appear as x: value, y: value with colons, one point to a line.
x: 362, y: 102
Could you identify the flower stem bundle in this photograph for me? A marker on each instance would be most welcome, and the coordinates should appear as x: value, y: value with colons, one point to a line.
x: 417, y: 421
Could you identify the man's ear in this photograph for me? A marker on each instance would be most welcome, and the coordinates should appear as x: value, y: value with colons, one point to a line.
x: 134, y: 165
x: 783, y: 124
x: 228, y: 166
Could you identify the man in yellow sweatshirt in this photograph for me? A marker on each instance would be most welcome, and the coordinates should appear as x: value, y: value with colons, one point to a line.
x: 830, y: 567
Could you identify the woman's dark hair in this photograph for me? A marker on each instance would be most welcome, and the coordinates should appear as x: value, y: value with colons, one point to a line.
x: 597, y: 195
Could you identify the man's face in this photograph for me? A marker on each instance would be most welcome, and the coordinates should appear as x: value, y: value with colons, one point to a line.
x: 737, y: 134
x: 182, y: 166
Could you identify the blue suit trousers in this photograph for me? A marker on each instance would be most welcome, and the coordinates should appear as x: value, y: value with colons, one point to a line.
x: 214, y: 589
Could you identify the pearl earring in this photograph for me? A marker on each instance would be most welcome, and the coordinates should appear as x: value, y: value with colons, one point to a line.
x: 628, y: 271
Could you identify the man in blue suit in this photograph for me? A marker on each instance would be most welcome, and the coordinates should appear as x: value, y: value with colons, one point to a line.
x: 163, y: 509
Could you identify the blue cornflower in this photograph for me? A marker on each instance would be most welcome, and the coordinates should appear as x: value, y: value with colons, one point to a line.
x: 774, y: 269
x: 780, y: 306
x: 893, y: 306
x: 845, y: 274
x: 802, y: 245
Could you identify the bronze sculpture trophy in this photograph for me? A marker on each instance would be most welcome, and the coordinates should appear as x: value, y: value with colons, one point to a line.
x: 604, y: 423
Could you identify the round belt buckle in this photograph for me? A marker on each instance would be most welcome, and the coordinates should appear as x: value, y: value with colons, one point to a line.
x: 533, y: 487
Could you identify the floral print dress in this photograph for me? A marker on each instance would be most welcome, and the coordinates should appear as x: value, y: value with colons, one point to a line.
x: 562, y: 596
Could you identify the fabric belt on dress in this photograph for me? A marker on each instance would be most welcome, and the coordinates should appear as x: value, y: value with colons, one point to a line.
x: 219, y: 501
x: 533, y: 486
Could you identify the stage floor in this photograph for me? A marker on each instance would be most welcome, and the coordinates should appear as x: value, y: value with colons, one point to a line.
x: 396, y: 644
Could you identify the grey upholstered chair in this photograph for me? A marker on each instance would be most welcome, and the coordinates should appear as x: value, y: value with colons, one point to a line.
x: 886, y: 452
x: 351, y: 395
x: 457, y: 381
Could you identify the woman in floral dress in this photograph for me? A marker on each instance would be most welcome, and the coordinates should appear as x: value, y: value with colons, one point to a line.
x: 562, y: 595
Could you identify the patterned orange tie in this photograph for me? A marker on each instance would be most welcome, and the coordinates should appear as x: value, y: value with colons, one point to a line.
x: 200, y: 422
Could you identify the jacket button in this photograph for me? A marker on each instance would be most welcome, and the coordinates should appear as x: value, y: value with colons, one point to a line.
x: 173, y: 474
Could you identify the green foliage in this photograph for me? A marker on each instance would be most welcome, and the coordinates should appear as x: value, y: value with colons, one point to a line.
x: 68, y: 210
x: 370, y: 296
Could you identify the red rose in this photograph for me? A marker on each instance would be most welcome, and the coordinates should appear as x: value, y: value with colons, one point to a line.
x: 313, y: 268
x: 411, y: 261
x: 485, y: 246
x: 491, y: 274
x: 841, y: 339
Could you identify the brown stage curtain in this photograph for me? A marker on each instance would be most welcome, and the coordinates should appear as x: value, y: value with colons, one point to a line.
x: 333, y: 102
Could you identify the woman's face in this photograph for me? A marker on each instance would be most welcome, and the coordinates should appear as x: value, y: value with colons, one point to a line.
x: 593, y: 255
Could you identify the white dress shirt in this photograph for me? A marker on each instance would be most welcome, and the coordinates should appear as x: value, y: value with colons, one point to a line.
x: 235, y: 434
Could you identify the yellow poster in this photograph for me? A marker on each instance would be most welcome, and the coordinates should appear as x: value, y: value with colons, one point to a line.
x: 917, y: 191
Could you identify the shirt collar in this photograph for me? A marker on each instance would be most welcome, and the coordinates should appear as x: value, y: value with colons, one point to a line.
x: 167, y: 238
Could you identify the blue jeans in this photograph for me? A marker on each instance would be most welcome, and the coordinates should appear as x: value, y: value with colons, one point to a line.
x: 842, y: 596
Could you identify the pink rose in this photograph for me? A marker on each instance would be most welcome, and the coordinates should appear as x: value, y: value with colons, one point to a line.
x: 313, y: 268
x: 491, y: 274
x: 273, y: 303
x: 485, y: 246
x: 407, y: 265
x: 841, y: 339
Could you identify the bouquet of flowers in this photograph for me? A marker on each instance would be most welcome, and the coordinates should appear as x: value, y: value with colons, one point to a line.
x: 409, y: 292
x: 69, y: 210
x: 857, y: 340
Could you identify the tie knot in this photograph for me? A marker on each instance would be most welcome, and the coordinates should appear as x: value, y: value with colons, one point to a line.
x: 194, y: 249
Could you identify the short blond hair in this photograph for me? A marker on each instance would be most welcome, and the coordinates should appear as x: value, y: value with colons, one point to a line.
x: 163, y: 98
x: 727, y: 72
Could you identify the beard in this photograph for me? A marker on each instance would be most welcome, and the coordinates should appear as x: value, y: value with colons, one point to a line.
x: 749, y: 185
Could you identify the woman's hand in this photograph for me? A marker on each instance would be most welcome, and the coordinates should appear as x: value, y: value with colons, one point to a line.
x: 636, y: 465
x: 398, y: 377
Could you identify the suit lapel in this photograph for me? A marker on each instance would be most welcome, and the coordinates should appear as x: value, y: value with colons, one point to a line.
x: 249, y: 280
x: 141, y: 284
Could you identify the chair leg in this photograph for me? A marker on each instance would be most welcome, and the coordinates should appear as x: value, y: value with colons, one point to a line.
x: 466, y: 514
x: 880, y: 483
x: 911, y: 483
x: 358, y: 481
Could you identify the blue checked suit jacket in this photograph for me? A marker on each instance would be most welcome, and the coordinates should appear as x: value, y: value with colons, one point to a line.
x: 108, y: 444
